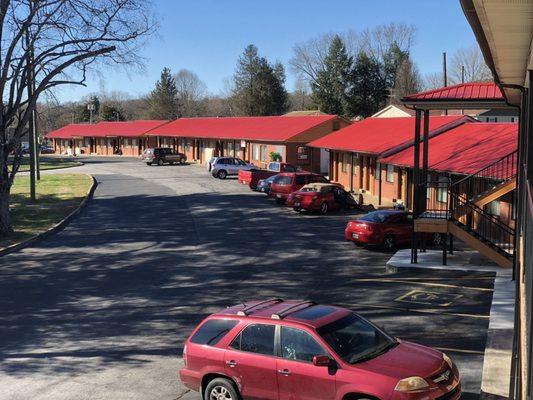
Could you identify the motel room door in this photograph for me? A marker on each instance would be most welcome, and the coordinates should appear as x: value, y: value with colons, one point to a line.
x: 324, y: 161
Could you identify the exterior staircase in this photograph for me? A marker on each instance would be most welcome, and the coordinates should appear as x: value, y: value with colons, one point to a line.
x: 471, y: 223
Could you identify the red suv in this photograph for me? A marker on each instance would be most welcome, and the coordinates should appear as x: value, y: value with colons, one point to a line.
x: 277, y: 349
x: 286, y: 183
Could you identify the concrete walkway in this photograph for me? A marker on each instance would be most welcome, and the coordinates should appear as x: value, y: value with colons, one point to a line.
x: 498, y: 350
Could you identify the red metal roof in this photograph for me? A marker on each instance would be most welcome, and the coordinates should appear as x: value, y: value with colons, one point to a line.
x: 126, y: 128
x: 378, y: 135
x: 106, y: 128
x: 271, y: 129
x: 465, y: 149
x: 464, y: 91
x: 71, y: 130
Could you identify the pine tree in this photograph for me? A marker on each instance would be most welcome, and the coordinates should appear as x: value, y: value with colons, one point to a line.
x: 163, y: 101
x: 330, y: 90
x: 369, y: 90
x: 259, y: 86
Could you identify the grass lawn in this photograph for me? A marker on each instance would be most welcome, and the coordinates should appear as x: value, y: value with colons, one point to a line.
x: 57, y: 196
x: 49, y: 163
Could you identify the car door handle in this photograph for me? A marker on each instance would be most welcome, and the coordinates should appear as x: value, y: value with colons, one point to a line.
x: 231, y: 363
x: 285, y: 372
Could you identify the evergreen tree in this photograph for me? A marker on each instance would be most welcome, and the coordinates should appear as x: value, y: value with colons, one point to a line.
x: 330, y: 90
x: 259, y: 86
x: 369, y: 90
x: 163, y: 101
x: 111, y: 113
x: 400, y: 74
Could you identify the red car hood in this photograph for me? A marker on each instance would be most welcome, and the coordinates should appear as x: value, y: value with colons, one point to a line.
x: 406, y: 360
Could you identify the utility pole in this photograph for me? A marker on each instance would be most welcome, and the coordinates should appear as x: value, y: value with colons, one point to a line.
x: 444, y: 74
x: 31, y: 121
x: 462, y: 74
x: 91, y: 107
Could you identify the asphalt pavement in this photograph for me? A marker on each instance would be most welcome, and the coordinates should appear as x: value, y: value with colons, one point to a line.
x: 101, y: 309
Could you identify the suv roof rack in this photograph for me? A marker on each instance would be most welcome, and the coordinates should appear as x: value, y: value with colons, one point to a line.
x: 292, y: 308
x: 254, y: 307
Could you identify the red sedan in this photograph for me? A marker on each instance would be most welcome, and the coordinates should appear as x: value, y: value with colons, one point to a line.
x: 388, y: 228
x: 321, y: 197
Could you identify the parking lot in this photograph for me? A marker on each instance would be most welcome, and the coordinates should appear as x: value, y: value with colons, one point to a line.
x: 101, y: 309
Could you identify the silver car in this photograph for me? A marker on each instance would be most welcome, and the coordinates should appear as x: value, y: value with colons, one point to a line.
x: 227, y: 166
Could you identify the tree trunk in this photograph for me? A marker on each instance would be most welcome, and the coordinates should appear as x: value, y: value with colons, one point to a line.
x: 5, y: 188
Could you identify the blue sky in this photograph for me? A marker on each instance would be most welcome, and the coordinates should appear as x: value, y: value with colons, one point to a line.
x: 207, y: 36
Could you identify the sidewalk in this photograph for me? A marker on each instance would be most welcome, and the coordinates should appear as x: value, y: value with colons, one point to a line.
x: 498, y: 350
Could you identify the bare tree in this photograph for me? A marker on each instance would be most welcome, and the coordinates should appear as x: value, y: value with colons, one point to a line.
x: 378, y: 41
x: 191, y: 93
x: 49, y: 43
x: 475, y: 69
x: 432, y: 80
x: 309, y: 56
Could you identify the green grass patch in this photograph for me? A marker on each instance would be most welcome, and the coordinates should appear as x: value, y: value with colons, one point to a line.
x: 48, y: 163
x: 57, y: 196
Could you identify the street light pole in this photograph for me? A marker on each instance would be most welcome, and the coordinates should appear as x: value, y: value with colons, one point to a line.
x: 31, y: 126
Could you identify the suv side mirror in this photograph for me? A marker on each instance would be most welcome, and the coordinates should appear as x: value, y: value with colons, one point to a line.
x: 322, y: 361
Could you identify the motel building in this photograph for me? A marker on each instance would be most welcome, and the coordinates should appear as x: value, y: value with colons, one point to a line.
x: 251, y: 138
x: 104, y: 138
x: 355, y: 153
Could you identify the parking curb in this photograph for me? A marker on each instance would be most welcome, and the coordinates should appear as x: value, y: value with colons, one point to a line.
x: 57, y: 227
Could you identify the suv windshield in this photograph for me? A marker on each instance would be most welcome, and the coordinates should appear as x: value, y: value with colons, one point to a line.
x: 355, y: 340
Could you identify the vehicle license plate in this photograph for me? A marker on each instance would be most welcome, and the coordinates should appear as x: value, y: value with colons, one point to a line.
x: 355, y: 235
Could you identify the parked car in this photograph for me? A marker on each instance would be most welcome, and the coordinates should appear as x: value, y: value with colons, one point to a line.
x: 47, y: 150
x: 277, y: 349
x: 321, y: 197
x: 387, y: 228
x: 252, y: 177
x: 227, y: 166
x: 163, y: 155
x: 287, y: 182
x: 264, y: 184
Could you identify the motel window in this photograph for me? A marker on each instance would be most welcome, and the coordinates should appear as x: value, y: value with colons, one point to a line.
x: 302, y: 153
x: 355, y: 161
x: 126, y: 143
x: 229, y: 147
x: 493, y: 208
x: 87, y: 142
x: 378, y: 171
x: 442, y: 190
x: 134, y: 142
x: 390, y: 173
x: 344, y: 161
x: 256, y: 152
x: 263, y: 152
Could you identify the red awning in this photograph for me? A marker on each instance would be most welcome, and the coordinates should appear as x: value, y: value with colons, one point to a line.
x: 379, y: 135
x: 465, y: 149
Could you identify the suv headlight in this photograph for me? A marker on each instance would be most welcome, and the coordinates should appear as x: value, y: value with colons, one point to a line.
x: 447, y: 360
x: 411, y: 384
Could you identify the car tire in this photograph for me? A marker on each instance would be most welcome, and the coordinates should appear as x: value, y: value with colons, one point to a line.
x: 324, y: 208
x: 297, y: 209
x: 182, y: 160
x: 221, y: 388
x: 171, y: 163
x: 160, y: 162
x: 389, y: 243
x: 149, y: 163
x: 222, y: 174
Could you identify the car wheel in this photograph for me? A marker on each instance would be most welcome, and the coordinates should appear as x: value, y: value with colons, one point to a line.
x: 324, y: 208
x: 222, y: 174
x: 182, y: 160
x: 437, y: 239
x: 297, y: 209
x: 389, y: 243
x: 148, y: 163
x: 221, y: 389
x: 160, y: 162
x: 171, y: 162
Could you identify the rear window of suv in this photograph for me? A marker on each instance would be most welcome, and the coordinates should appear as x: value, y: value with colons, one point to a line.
x: 283, y: 180
x: 211, y: 332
